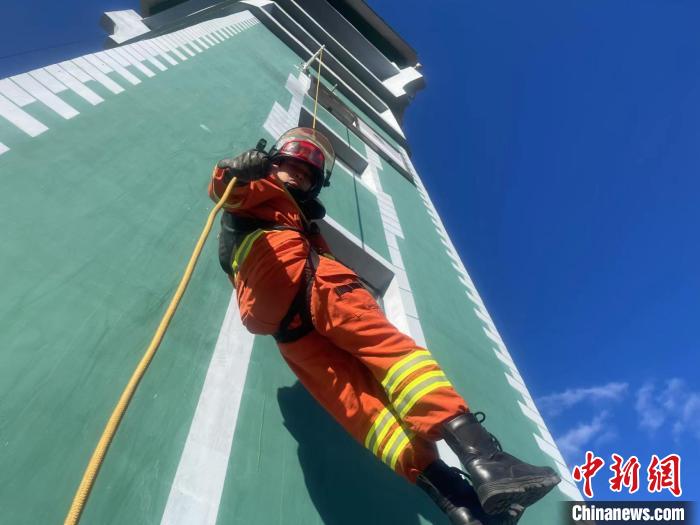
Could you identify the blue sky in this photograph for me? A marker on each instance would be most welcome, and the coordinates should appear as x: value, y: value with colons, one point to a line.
x: 558, y: 140
x: 564, y: 165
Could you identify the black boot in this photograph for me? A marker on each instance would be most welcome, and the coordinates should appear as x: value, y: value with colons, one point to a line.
x: 456, y: 498
x: 499, y: 479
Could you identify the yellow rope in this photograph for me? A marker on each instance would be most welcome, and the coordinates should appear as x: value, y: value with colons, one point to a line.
x: 318, y: 84
x: 98, y: 455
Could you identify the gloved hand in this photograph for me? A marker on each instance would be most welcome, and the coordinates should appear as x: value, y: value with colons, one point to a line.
x: 249, y: 165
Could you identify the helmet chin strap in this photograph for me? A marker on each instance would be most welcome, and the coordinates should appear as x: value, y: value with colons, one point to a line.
x: 311, y: 208
x: 299, y: 195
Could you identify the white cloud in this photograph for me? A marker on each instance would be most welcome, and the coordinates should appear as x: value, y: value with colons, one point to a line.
x: 556, y: 403
x: 690, y: 416
x: 674, y: 403
x: 578, y: 439
x: 671, y: 397
x: 651, y: 416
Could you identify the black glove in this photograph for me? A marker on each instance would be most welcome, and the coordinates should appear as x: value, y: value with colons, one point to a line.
x: 250, y: 165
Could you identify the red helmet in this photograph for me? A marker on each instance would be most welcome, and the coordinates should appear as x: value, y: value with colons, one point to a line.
x: 311, y: 147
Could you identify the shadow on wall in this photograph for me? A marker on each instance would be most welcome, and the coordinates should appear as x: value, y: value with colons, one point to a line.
x: 345, y: 482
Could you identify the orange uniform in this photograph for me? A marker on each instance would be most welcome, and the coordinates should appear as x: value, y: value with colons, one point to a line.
x: 387, y: 392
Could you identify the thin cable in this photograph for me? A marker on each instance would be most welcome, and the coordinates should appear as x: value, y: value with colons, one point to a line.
x: 318, y: 84
x: 98, y: 455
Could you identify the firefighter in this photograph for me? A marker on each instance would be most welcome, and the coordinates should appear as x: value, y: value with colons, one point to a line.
x: 390, y: 394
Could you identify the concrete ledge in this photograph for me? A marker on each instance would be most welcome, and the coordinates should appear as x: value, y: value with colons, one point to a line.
x: 122, y: 26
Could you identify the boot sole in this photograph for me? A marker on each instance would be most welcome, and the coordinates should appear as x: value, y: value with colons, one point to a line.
x: 496, y: 497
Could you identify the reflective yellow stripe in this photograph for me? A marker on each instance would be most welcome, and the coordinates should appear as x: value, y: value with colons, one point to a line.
x: 394, y: 436
x: 376, y: 422
x: 379, y: 430
x: 383, y: 433
x: 421, y: 393
x: 417, y: 381
x: 389, y: 377
x: 395, y: 456
x: 396, y: 382
x: 244, y: 249
x: 379, y: 421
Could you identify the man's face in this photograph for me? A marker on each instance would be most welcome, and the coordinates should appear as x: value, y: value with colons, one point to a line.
x: 294, y: 173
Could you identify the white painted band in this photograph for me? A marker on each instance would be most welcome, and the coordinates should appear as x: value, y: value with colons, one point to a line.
x: 20, y: 118
x: 14, y: 93
x: 41, y: 93
x: 107, y: 58
x: 91, y: 69
x: 196, y: 491
x: 48, y: 81
x: 74, y: 84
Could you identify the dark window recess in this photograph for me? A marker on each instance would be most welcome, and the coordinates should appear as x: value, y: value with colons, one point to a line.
x: 153, y: 7
x: 347, y: 117
x: 373, y: 274
x: 333, y: 104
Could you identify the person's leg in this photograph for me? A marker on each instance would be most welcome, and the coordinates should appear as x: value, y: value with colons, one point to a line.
x: 347, y: 314
x: 421, y: 395
x: 349, y: 392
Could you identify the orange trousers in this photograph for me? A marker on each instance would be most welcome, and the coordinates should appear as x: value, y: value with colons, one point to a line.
x: 388, y: 393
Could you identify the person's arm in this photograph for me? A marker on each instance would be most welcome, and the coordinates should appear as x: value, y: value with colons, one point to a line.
x: 248, y: 168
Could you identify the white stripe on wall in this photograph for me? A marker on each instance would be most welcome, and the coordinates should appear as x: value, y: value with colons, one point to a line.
x: 49, y: 82
x: 155, y: 49
x: 14, y: 93
x: 111, y: 59
x: 96, y: 61
x: 74, y: 71
x: 126, y: 58
x: 180, y: 42
x: 95, y: 72
x: 42, y: 94
x: 144, y: 49
x: 20, y: 118
x: 74, y: 84
x: 199, y: 481
x: 194, y: 36
x: 167, y: 46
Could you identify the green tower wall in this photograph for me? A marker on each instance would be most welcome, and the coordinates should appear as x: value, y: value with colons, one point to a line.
x: 100, y: 214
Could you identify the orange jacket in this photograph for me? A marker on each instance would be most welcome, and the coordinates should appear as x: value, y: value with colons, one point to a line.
x: 270, y: 275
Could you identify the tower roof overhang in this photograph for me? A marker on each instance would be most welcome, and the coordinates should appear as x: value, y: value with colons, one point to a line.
x: 377, y: 31
x: 373, y: 54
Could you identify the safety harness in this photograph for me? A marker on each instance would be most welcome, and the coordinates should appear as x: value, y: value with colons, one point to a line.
x: 238, y: 234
